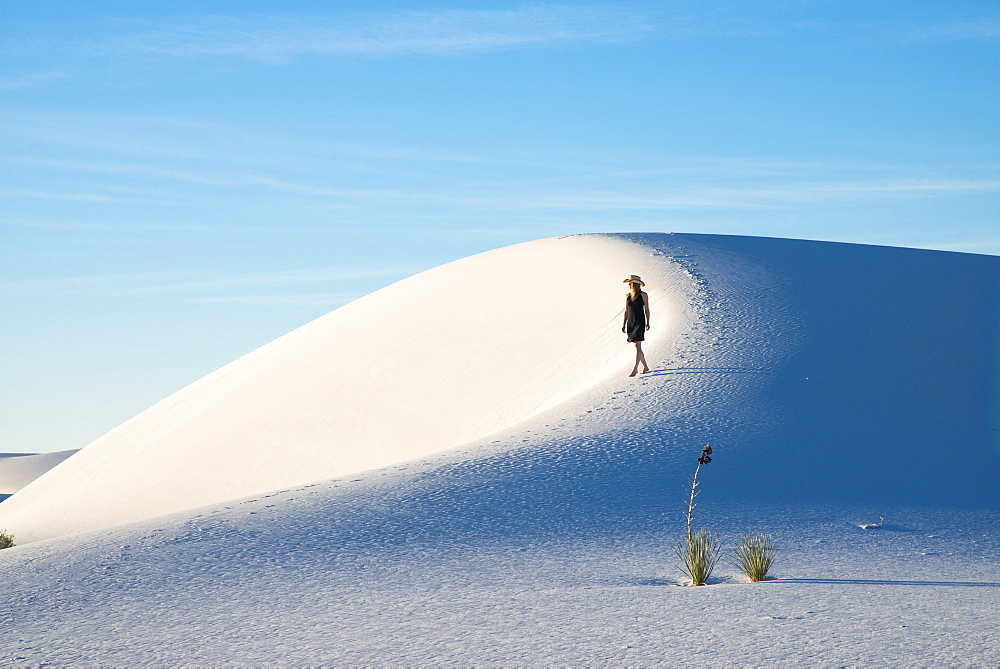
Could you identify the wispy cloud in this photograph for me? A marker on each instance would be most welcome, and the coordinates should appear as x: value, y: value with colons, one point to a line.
x: 202, y: 143
x: 441, y: 33
x: 774, y: 195
x: 666, y: 183
x: 256, y: 287
x: 100, y: 195
x: 983, y: 27
x: 331, y: 300
x: 31, y: 80
x: 208, y: 171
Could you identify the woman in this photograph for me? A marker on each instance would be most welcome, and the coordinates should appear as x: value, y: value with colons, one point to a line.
x: 636, y: 320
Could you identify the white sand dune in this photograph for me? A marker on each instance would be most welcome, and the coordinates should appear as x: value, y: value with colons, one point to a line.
x: 838, y: 383
x: 441, y: 359
x: 19, y: 469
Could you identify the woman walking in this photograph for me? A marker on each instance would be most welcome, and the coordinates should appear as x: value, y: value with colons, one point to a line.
x: 636, y: 320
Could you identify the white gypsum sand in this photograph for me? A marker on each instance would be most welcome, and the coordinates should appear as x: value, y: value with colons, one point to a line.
x: 837, y: 383
x: 19, y: 469
x: 437, y: 360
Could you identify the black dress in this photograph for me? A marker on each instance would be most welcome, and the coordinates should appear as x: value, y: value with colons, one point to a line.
x: 635, y: 318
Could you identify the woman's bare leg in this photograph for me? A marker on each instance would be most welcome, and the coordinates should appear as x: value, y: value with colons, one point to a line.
x: 639, y: 357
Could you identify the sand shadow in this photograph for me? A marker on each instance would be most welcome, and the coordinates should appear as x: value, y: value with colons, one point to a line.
x: 887, y: 527
x: 652, y: 581
x: 865, y: 581
x: 673, y: 371
x: 677, y: 583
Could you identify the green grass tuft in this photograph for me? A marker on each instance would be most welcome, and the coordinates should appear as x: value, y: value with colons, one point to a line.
x: 699, y: 554
x: 754, y: 555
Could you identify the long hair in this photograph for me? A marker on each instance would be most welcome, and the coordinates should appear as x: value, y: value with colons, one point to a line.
x: 633, y: 291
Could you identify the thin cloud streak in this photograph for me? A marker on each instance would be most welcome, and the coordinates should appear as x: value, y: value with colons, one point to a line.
x: 276, y: 39
x: 672, y: 194
x: 211, y: 143
x: 171, y: 284
x: 91, y: 197
x: 692, y: 196
x: 331, y: 300
x: 444, y: 33
x: 555, y: 179
x: 208, y: 146
x: 32, y: 80
x: 983, y: 27
x: 130, y: 226
x: 697, y: 196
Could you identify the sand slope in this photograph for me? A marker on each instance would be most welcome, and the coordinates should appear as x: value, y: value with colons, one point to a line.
x: 838, y: 383
x: 441, y: 359
x: 19, y: 469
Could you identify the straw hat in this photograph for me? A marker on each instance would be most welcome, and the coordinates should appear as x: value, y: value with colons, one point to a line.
x: 634, y: 279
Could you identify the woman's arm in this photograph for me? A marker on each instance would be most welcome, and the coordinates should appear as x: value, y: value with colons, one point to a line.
x: 645, y: 308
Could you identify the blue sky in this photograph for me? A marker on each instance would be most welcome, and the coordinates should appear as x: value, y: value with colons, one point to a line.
x: 183, y: 182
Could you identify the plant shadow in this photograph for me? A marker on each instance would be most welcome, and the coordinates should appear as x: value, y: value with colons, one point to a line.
x: 654, y: 581
x: 867, y: 581
x: 887, y: 527
x: 677, y: 583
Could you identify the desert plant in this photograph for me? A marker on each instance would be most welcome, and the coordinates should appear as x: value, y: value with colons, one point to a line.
x: 699, y: 554
x: 754, y: 555
x: 698, y: 551
x: 703, y: 459
x: 6, y: 539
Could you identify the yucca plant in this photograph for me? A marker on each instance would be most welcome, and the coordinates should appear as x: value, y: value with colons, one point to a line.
x: 754, y: 555
x: 699, y: 555
x: 6, y: 539
x: 698, y: 551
